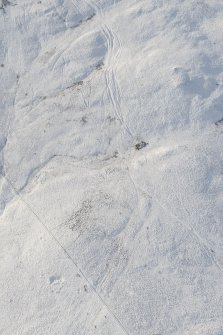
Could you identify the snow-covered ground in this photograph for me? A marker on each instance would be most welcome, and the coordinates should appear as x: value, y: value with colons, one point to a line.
x: 111, y: 137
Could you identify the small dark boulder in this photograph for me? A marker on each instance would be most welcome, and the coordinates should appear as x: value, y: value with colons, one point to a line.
x: 217, y: 123
x: 140, y: 145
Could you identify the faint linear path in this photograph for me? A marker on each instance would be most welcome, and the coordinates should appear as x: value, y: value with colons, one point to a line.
x: 68, y: 255
x: 112, y: 89
x: 201, y: 241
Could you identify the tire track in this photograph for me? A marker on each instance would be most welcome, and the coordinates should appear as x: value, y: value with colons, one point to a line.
x: 112, y: 89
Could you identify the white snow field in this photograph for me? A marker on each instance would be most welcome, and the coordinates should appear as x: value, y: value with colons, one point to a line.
x: 111, y: 167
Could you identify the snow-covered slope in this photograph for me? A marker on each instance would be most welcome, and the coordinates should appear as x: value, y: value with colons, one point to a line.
x: 111, y: 167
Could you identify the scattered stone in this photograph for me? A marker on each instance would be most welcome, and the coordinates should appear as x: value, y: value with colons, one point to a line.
x: 84, y: 120
x: 217, y: 123
x: 140, y: 145
x: 115, y: 154
x: 99, y: 66
x: 90, y: 17
x: 111, y: 119
x: 4, y: 4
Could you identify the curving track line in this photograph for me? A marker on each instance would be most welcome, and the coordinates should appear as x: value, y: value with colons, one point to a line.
x: 112, y: 89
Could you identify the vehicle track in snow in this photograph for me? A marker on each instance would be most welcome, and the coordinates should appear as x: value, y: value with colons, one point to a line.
x: 112, y: 86
x: 112, y: 89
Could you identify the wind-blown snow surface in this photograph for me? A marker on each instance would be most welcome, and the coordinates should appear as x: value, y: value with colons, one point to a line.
x: 96, y: 236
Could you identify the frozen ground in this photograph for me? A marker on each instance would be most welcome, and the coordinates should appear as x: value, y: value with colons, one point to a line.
x: 111, y: 137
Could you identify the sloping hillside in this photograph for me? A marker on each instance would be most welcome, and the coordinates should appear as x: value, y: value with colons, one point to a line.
x: 111, y: 175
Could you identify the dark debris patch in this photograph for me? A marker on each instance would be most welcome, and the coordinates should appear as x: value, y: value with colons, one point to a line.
x: 84, y: 119
x: 90, y: 17
x: 217, y: 123
x: 140, y: 145
x: 99, y: 66
x: 4, y: 4
x: 77, y: 84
